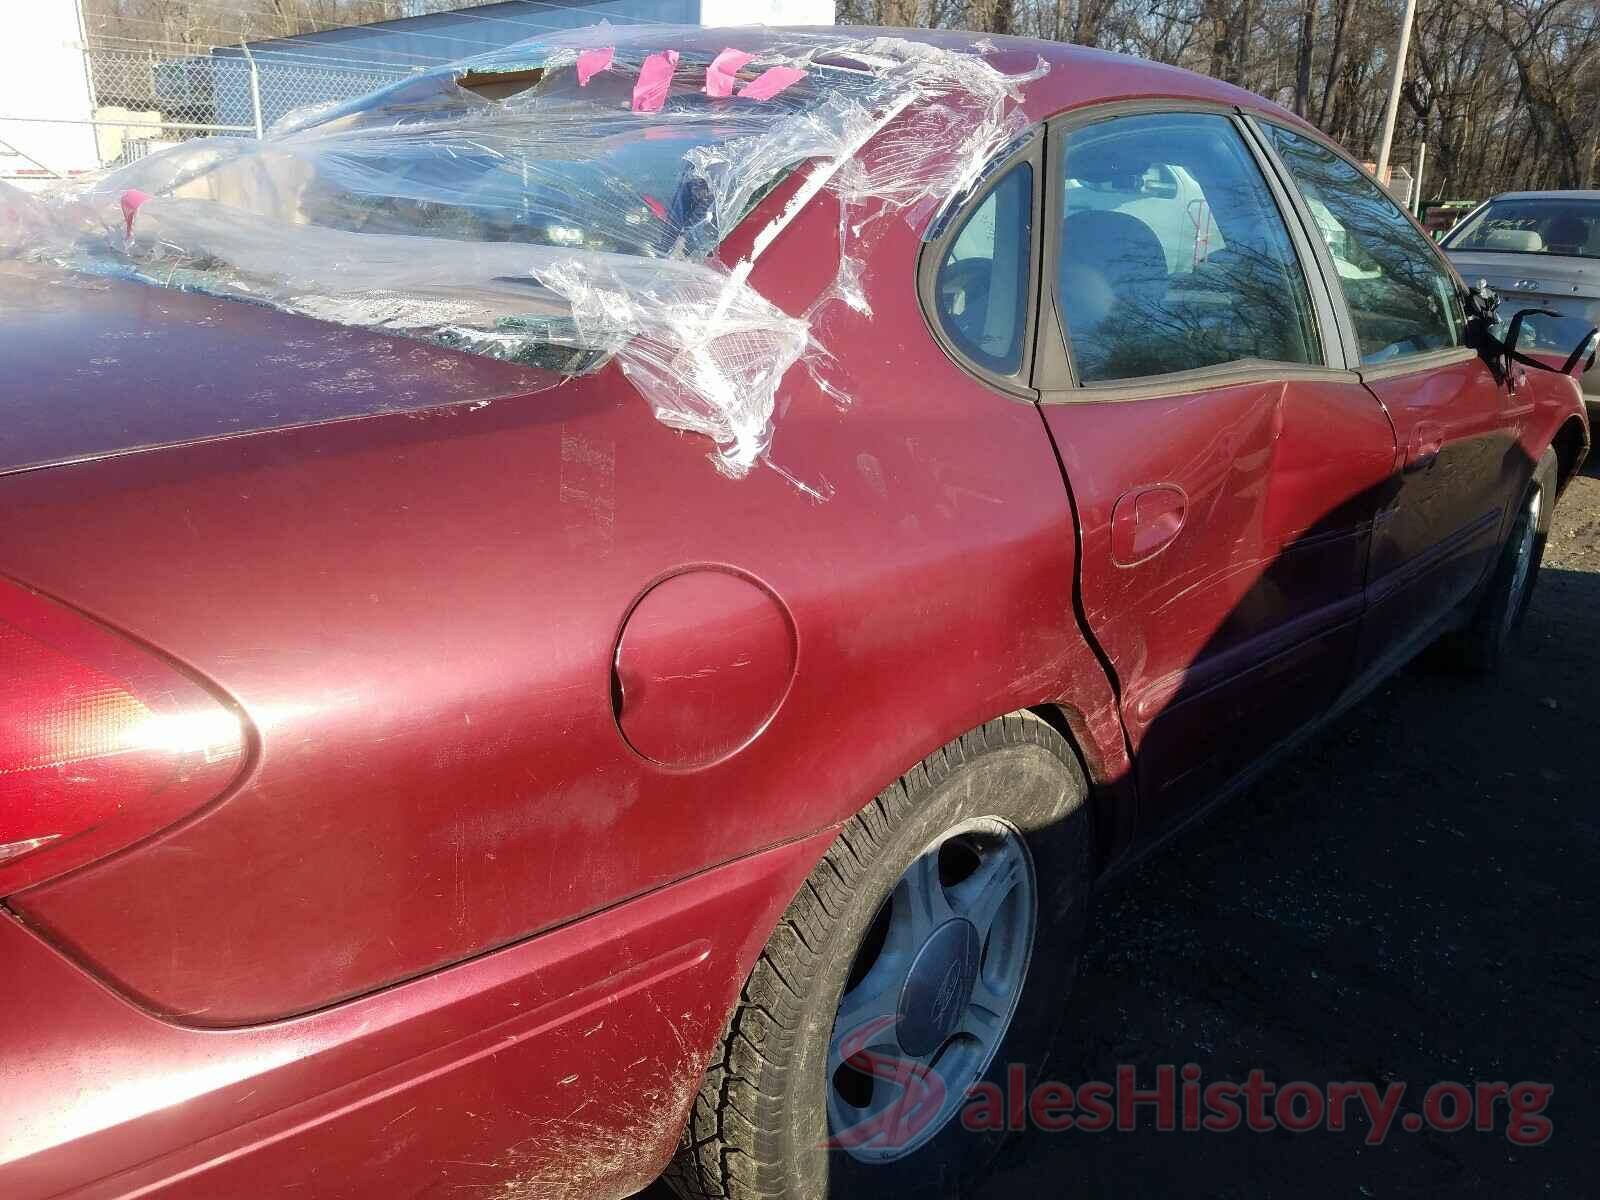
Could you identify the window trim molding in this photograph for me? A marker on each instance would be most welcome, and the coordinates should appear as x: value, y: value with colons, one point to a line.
x: 1426, y: 360
x: 1058, y: 380
x: 951, y: 222
x: 1339, y: 333
x: 1241, y: 372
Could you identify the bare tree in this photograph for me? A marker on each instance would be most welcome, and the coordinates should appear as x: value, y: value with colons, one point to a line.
x: 1505, y: 92
x: 1302, y: 68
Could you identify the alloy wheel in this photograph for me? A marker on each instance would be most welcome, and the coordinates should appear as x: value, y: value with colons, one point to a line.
x: 932, y: 991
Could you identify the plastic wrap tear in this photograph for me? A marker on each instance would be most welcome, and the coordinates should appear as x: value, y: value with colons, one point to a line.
x: 559, y: 203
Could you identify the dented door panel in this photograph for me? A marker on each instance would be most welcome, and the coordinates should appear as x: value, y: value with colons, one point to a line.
x: 1244, y: 627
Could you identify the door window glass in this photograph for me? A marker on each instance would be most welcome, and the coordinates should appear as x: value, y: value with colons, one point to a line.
x: 981, y: 289
x: 1173, y: 254
x: 1401, y: 297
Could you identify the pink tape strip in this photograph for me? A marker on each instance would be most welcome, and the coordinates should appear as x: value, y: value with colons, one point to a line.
x: 720, y: 74
x: 770, y: 82
x: 131, y: 200
x: 592, y: 62
x: 655, y: 81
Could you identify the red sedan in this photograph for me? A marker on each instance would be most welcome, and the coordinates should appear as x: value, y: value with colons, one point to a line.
x: 423, y: 774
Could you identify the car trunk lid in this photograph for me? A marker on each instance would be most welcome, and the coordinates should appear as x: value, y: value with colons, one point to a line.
x: 1544, y: 276
x: 1569, y: 286
x: 98, y: 366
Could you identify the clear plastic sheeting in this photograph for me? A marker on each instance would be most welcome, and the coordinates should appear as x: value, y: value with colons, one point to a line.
x: 32, y: 226
x: 558, y: 203
x: 706, y: 351
x: 20, y: 222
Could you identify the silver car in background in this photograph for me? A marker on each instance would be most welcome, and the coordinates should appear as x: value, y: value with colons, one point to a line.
x: 1538, y: 250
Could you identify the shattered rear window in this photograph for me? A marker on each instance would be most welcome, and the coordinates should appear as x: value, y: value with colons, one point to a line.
x: 514, y: 148
x: 557, y: 203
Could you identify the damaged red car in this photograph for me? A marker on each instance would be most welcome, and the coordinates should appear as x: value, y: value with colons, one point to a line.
x: 601, y: 611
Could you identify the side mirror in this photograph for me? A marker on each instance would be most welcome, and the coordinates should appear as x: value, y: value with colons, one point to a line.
x: 1483, y: 302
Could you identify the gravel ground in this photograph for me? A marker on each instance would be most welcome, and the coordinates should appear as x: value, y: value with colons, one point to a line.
x: 1413, y: 899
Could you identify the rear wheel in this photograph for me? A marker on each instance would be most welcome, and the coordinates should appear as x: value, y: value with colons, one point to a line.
x: 1483, y: 645
x: 932, y: 947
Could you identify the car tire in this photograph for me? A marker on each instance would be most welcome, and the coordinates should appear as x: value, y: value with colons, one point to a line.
x: 1006, y: 799
x: 1483, y: 645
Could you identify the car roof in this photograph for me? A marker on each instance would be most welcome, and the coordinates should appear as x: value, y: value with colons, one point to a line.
x: 1078, y: 75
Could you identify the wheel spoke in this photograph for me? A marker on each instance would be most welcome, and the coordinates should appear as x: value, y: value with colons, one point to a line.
x: 985, y: 1016
x: 898, y: 1100
x: 978, y: 897
x: 865, y: 1031
x: 920, y: 900
x: 868, y: 1012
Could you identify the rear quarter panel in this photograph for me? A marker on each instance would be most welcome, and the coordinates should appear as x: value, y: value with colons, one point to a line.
x: 417, y: 614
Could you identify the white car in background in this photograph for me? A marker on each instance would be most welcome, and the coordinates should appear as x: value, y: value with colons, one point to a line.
x: 1348, y: 257
x: 1167, y: 199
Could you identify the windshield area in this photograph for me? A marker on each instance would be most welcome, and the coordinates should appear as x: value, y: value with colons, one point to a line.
x: 1547, y: 225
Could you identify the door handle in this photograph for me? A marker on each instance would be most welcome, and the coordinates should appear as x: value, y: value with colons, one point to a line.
x: 1427, y: 439
x: 1146, y: 521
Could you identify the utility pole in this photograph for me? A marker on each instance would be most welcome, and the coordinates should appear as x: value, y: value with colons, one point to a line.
x: 1402, y: 44
x: 1416, y: 179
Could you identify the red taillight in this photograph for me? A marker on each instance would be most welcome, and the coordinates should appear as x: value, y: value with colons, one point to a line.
x: 101, y: 741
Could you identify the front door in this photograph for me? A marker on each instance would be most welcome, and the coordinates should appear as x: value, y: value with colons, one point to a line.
x: 1455, y: 422
x: 1226, y: 468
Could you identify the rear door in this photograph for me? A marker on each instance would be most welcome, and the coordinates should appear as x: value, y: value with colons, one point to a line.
x: 1225, y: 464
x: 1456, y: 424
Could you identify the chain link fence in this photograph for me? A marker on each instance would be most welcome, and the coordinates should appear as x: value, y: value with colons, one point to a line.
x: 142, y: 101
